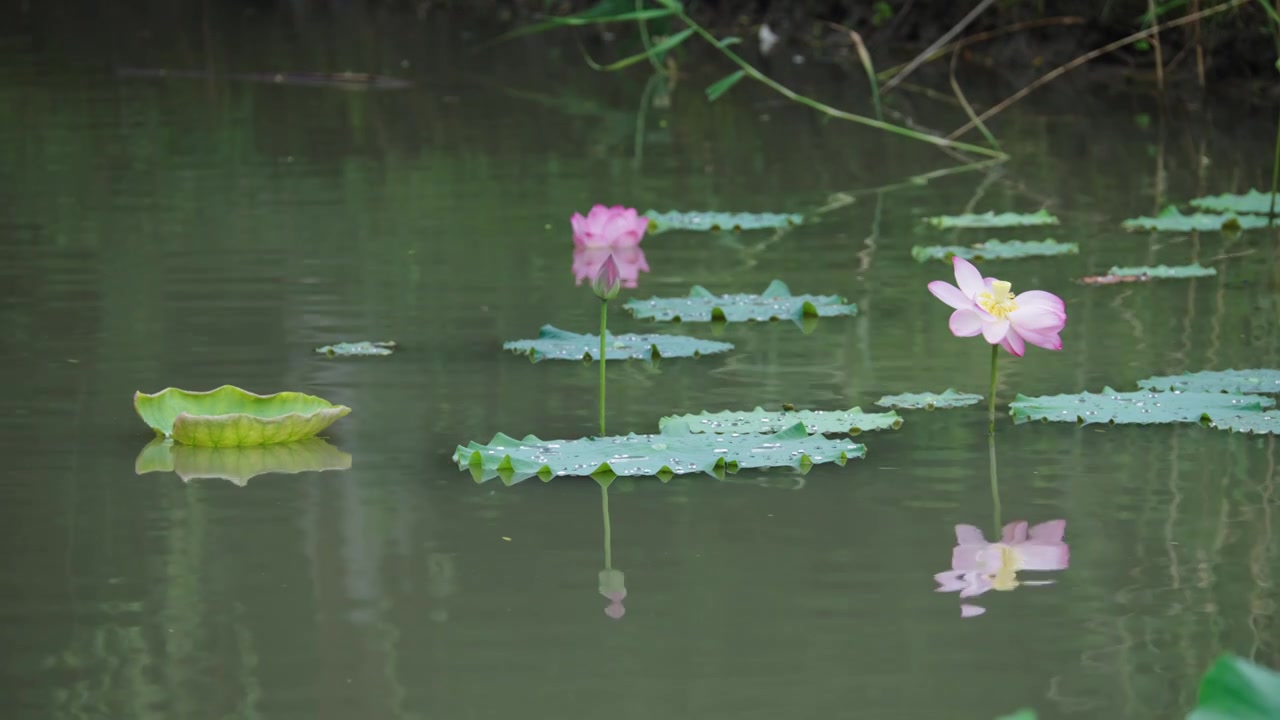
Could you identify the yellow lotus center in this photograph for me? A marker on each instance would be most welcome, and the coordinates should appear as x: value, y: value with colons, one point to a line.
x: 998, y: 300
x: 1006, y: 577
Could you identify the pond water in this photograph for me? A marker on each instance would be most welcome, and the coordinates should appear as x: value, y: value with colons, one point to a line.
x: 197, y: 231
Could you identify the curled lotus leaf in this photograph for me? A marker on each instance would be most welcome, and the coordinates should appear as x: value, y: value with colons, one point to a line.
x: 704, y: 221
x: 992, y: 220
x: 1264, y: 380
x: 827, y: 422
x: 1171, y: 220
x: 364, y: 348
x: 948, y: 398
x: 775, y: 303
x: 674, y: 451
x: 995, y: 250
x: 231, y: 417
x: 1143, y: 407
x: 1252, y: 202
x: 556, y: 344
x: 240, y: 464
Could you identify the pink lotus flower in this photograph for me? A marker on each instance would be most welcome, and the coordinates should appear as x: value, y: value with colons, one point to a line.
x: 978, y: 566
x: 615, y: 227
x: 985, y: 305
x: 587, y: 263
x: 608, y: 280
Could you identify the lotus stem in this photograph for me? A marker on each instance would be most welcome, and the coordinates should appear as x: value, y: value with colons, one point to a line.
x: 604, y: 316
x: 995, y: 480
x: 991, y: 404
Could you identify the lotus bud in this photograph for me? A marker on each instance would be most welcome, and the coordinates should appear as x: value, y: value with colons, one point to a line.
x: 608, y: 280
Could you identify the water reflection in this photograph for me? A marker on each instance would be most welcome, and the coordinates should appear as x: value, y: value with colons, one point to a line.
x: 613, y: 582
x: 588, y: 261
x: 239, y: 464
x: 978, y: 566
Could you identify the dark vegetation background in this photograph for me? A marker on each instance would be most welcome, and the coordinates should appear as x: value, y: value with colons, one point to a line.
x: 1238, y: 45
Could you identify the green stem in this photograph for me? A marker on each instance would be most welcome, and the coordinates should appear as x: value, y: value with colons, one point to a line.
x: 604, y: 315
x: 991, y: 406
x: 790, y: 94
x: 608, y: 531
x: 995, y: 481
x: 647, y: 41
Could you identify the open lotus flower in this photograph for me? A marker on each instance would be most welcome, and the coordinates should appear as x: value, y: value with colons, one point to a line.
x: 986, y: 306
x: 603, y: 227
x: 978, y: 566
x: 587, y: 263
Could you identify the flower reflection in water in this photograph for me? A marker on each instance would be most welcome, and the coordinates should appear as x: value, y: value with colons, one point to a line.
x: 588, y: 261
x: 978, y: 566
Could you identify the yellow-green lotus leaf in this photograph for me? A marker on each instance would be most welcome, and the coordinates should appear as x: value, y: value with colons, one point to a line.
x: 231, y: 417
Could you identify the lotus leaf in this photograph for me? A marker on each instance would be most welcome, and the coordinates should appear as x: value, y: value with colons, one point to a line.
x: 1142, y: 407
x: 775, y: 303
x: 362, y: 348
x: 240, y: 464
x: 674, y: 220
x: 928, y: 401
x: 1265, y: 381
x: 1236, y: 689
x: 992, y: 220
x: 674, y: 451
x: 763, y: 421
x: 556, y: 344
x: 1252, y: 422
x: 1163, y: 271
x: 1252, y: 202
x: 231, y: 417
x: 1170, y: 220
x: 995, y: 250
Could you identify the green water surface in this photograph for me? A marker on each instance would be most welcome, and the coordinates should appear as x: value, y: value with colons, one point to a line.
x: 200, y: 231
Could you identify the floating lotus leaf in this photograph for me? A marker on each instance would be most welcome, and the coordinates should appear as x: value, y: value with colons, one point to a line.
x: 1142, y: 407
x: 763, y: 421
x: 356, y: 349
x: 1171, y: 220
x: 995, y: 250
x: 1236, y: 689
x: 1253, y: 422
x: 1163, y: 271
x: 1266, y: 381
x: 775, y: 303
x: 661, y: 222
x: 231, y: 417
x: 992, y: 220
x: 674, y: 451
x: 1253, y: 202
x: 556, y: 344
x: 929, y: 401
x: 240, y: 464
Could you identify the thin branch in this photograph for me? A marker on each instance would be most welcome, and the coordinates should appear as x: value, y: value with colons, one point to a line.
x: 964, y: 103
x: 946, y: 38
x: 1064, y: 69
